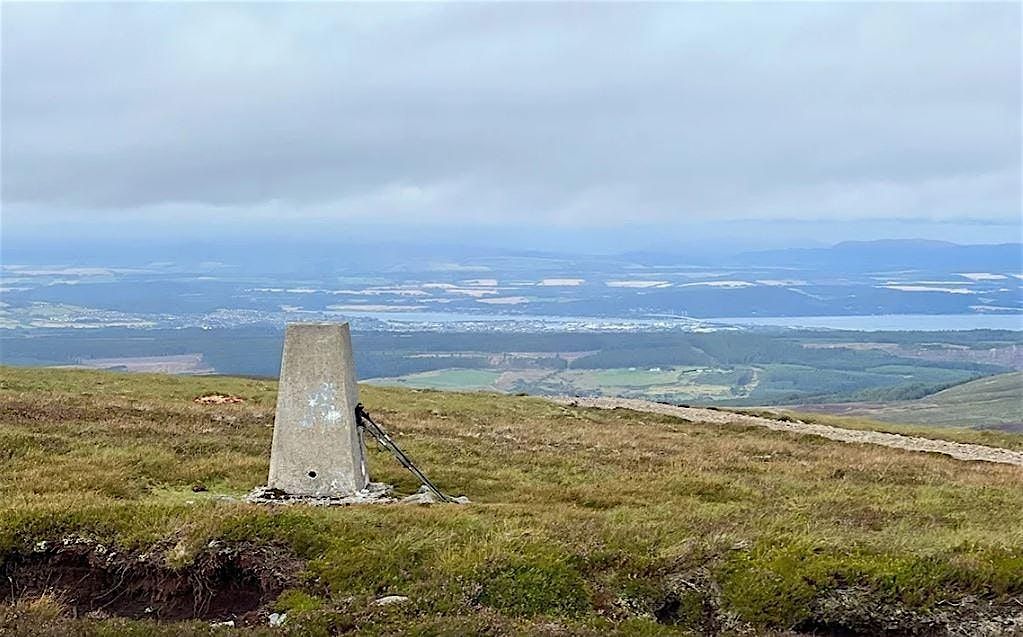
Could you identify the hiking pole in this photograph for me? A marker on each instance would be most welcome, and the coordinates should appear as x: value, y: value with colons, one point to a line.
x: 365, y: 423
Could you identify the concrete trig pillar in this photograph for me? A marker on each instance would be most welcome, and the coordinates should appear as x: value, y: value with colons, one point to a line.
x: 317, y: 449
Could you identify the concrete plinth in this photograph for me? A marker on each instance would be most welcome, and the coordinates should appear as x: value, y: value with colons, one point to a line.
x: 316, y: 446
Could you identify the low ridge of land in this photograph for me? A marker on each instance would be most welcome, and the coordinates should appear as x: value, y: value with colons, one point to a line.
x: 994, y: 401
x: 122, y: 512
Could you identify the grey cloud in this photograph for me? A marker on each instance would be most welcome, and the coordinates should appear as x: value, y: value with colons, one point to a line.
x: 576, y: 113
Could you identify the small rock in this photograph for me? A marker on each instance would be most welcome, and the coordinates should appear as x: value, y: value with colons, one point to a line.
x: 217, y: 399
x: 391, y: 599
x: 425, y: 496
x: 228, y: 624
x: 277, y: 619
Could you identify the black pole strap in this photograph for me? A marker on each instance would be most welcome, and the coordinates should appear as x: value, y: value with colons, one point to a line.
x: 365, y: 423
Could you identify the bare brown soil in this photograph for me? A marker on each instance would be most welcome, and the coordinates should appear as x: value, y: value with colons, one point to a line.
x: 222, y: 583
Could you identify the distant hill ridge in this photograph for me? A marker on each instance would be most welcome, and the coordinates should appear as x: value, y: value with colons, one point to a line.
x: 896, y: 253
x: 991, y: 402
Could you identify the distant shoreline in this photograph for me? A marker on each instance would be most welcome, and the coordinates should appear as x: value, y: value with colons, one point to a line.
x: 890, y: 322
x: 868, y: 323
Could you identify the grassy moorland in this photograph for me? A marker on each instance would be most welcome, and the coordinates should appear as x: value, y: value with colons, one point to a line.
x: 993, y: 401
x: 120, y: 514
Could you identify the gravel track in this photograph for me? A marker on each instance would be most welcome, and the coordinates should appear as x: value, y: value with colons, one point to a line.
x: 957, y: 450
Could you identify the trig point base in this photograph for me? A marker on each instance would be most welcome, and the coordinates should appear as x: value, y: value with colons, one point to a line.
x: 317, y: 450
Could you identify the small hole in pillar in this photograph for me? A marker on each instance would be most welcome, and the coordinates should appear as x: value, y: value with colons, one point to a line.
x: 312, y: 474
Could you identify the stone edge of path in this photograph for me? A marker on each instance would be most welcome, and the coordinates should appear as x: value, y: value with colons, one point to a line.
x: 957, y: 450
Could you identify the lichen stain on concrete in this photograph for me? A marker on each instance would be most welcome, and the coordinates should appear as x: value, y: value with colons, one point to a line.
x: 321, y: 408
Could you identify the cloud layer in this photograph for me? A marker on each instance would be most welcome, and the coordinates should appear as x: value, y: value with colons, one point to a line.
x: 575, y: 114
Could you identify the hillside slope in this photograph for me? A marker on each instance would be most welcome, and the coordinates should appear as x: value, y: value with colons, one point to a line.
x: 994, y: 402
x: 1006, y: 453
x: 120, y: 512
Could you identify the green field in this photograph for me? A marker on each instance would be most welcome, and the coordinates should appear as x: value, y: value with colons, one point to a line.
x: 692, y: 383
x: 120, y: 514
x: 463, y: 379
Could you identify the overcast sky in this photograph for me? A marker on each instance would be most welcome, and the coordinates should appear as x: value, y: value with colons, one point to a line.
x: 573, y: 116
